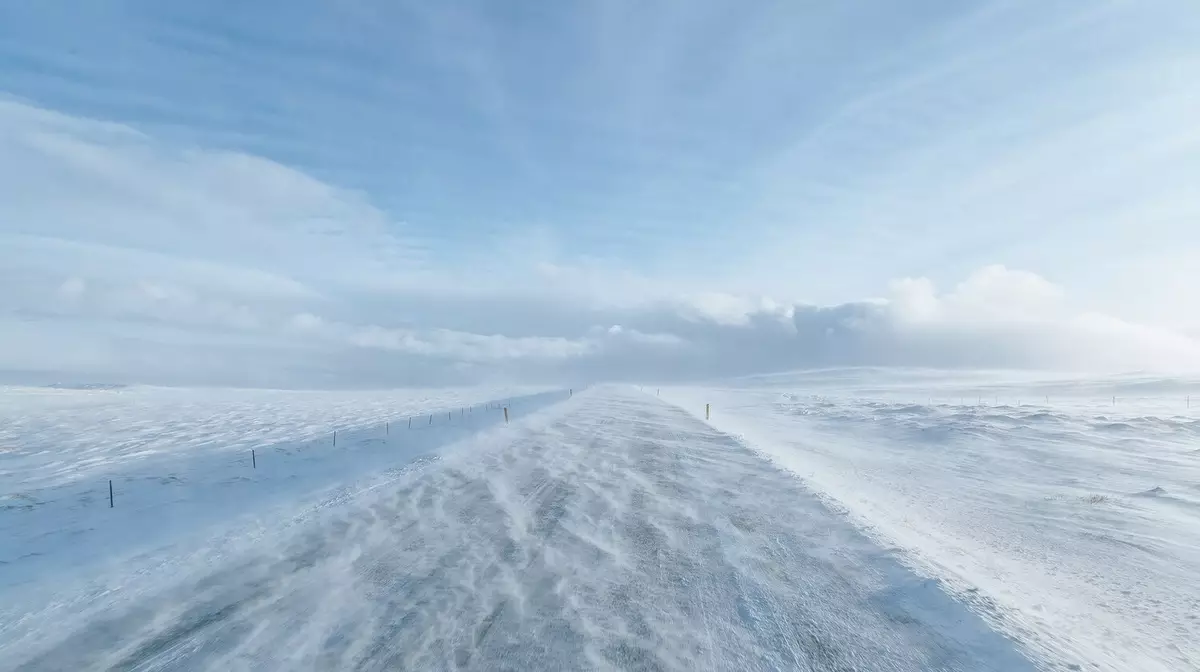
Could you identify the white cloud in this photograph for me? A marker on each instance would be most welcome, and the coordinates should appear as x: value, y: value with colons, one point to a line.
x: 730, y: 309
x: 215, y: 220
x: 619, y: 334
x: 306, y: 322
x: 467, y: 347
x: 180, y: 265
x: 72, y: 288
x: 992, y: 293
x: 914, y: 299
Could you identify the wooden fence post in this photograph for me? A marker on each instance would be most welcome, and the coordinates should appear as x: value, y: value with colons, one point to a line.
x: 110, y: 494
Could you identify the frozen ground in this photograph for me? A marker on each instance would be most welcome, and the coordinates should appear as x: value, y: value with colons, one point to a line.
x: 606, y: 531
x: 1068, y: 519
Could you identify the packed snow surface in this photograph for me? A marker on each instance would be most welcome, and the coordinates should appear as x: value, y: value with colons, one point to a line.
x: 602, y: 530
x: 1066, y: 512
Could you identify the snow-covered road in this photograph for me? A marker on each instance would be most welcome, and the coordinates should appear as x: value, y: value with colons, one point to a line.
x: 611, y: 531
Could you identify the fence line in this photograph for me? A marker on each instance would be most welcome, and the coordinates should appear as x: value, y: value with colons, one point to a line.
x: 462, y: 411
x: 570, y: 393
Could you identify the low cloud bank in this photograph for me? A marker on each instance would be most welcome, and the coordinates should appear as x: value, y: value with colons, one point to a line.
x: 996, y: 318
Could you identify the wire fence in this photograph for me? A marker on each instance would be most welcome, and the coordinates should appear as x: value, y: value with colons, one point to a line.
x: 394, y: 440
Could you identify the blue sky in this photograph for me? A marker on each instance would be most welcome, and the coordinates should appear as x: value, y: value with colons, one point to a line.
x: 571, y: 189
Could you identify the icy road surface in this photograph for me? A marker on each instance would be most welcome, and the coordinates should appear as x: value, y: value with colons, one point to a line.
x: 611, y: 531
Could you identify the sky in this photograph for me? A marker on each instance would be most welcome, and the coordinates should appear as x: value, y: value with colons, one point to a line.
x: 321, y: 193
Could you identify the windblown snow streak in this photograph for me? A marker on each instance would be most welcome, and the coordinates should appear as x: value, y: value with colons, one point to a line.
x: 1067, y: 512
x: 610, y: 532
x: 180, y: 462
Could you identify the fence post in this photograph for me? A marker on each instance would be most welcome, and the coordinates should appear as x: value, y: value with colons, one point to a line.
x: 110, y: 495
x: 706, y: 411
x: 431, y: 418
x: 253, y: 460
x: 506, y: 415
x: 335, y: 438
x: 387, y: 429
x: 410, y: 422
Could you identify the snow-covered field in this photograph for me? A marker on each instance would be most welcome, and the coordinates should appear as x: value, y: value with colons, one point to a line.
x: 51, y: 436
x: 608, y: 531
x: 837, y: 520
x: 1071, y: 521
x: 180, y: 459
